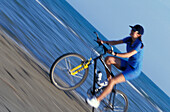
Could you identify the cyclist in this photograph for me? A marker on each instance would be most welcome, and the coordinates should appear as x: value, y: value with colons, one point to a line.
x: 130, y: 69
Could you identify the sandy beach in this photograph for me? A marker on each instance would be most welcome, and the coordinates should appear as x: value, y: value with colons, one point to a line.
x: 26, y: 87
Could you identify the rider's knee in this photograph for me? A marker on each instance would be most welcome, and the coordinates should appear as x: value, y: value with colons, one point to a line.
x: 112, y: 81
x: 109, y: 60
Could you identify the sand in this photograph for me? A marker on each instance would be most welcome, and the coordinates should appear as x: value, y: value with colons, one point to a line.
x: 26, y: 87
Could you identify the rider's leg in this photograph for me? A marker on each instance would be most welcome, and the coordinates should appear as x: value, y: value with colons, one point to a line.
x: 112, y: 81
x: 112, y: 60
x: 118, y: 79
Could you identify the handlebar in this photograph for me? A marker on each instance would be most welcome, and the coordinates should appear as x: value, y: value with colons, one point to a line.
x: 104, y: 47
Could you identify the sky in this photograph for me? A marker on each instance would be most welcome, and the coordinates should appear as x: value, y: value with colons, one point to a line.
x: 113, y: 17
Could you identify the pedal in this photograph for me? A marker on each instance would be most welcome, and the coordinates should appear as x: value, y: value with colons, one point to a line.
x: 90, y: 91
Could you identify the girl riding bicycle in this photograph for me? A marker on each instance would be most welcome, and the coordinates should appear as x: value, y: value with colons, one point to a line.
x: 131, y: 68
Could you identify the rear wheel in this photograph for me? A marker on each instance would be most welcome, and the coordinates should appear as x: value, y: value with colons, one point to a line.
x: 61, y: 75
x: 118, y: 102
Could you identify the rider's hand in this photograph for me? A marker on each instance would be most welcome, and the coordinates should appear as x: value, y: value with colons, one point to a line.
x: 111, y: 52
x: 100, y: 41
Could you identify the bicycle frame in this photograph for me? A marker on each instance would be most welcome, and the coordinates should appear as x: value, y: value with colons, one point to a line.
x: 95, y: 73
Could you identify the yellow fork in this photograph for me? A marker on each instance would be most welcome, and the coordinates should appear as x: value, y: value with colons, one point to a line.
x: 80, y: 67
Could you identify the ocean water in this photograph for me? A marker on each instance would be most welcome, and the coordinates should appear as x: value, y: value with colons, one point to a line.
x: 50, y: 28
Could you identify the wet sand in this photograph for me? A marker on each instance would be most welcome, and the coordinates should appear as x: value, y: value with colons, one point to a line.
x: 25, y: 85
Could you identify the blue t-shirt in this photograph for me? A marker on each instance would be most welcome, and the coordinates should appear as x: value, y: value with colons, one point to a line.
x: 135, y: 60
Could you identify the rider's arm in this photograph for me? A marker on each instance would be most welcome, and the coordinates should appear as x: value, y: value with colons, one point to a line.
x: 126, y: 55
x: 113, y: 42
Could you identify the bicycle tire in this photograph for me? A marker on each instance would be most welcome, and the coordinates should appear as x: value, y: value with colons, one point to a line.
x: 118, y: 104
x: 124, y: 98
x: 60, y: 75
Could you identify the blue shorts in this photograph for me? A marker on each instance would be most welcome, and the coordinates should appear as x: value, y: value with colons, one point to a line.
x: 128, y: 71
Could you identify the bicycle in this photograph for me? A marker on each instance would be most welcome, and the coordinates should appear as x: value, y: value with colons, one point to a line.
x: 70, y: 70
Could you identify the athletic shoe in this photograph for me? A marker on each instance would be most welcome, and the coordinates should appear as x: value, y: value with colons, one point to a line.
x: 99, y: 78
x: 93, y: 102
x: 103, y: 83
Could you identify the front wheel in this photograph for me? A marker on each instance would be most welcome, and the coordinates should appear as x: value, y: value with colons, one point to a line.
x: 61, y: 71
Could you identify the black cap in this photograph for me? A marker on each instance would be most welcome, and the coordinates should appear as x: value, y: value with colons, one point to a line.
x: 138, y: 28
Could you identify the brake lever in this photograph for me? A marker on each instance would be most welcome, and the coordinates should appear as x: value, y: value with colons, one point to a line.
x: 98, y: 42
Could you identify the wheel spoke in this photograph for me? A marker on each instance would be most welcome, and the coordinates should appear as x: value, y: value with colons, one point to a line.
x: 69, y: 64
x: 78, y: 75
x: 61, y: 68
x: 66, y: 63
